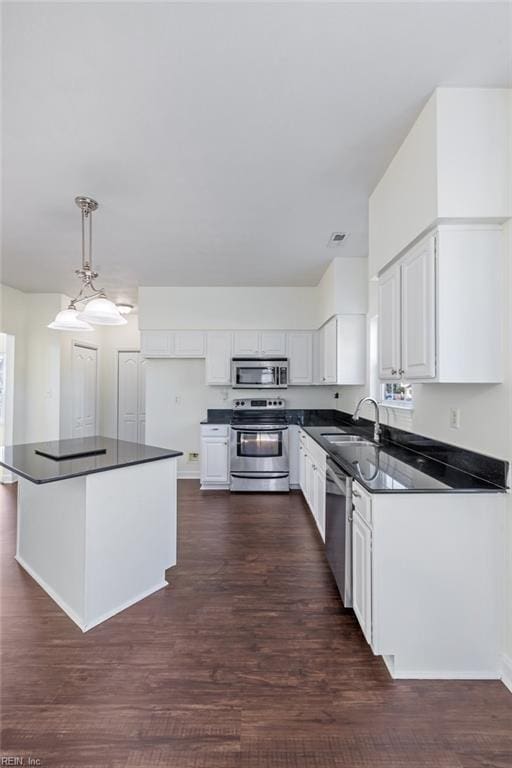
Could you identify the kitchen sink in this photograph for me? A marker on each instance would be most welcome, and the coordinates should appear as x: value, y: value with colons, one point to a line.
x: 346, y: 439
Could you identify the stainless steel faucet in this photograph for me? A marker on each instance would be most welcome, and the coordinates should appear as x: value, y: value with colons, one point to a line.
x: 355, y: 417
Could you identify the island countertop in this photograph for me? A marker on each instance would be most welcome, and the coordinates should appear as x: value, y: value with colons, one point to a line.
x: 104, y: 454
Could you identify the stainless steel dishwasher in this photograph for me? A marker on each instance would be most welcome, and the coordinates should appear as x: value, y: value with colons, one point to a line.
x: 338, y: 528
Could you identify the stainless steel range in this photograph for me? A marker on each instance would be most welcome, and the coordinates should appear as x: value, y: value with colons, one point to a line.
x: 259, y: 446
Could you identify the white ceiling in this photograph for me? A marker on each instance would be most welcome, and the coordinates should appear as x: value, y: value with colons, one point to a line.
x: 225, y: 142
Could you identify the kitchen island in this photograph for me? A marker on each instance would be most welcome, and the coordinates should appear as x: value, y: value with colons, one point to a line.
x: 96, y: 521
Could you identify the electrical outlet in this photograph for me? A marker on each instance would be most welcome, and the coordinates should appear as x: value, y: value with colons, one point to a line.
x: 455, y: 418
x: 193, y: 456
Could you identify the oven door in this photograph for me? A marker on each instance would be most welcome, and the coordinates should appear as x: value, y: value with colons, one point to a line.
x: 255, y: 374
x: 259, y: 449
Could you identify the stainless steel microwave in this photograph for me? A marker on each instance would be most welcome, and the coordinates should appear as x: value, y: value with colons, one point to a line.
x: 259, y: 373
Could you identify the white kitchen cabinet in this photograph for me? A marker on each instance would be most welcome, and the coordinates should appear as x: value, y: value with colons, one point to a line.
x: 312, y: 461
x: 329, y: 351
x: 189, y: 344
x: 418, y: 312
x: 259, y: 344
x: 214, y: 456
x: 389, y: 324
x: 157, y: 343
x: 342, y: 350
x: 362, y: 574
x: 272, y: 343
x: 318, y: 499
x: 246, y: 344
x: 219, y: 345
x: 445, y: 295
x: 299, y: 350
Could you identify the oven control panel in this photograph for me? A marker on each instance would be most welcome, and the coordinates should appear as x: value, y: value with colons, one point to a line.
x: 259, y: 403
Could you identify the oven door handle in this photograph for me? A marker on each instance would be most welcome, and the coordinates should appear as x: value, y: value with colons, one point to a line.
x: 259, y: 429
x: 260, y: 475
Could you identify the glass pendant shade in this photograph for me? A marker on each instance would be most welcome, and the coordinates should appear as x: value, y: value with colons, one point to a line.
x: 69, y: 320
x: 101, y: 311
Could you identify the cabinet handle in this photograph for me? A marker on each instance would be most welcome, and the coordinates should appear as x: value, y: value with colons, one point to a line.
x: 401, y: 371
x: 356, y: 494
x: 394, y: 371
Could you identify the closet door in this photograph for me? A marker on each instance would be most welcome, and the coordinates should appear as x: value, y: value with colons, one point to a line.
x: 128, y: 396
x: 84, y: 405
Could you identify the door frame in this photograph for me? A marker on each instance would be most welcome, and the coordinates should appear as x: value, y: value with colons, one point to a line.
x: 87, y: 345
x: 116, y: 364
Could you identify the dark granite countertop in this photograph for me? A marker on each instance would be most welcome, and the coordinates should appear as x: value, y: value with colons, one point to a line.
x: 24, y: 461
x: 403, y: 462
x: 390, y: 468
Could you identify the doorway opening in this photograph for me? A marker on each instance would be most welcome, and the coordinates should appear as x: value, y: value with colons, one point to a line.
x: 6, y: 397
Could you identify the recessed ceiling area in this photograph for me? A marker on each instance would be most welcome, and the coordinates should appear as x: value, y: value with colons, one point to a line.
x: 224, y: 142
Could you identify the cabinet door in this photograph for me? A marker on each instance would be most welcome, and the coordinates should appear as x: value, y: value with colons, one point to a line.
x: 389, y: 324
x: 246, y: 343
x: 218, y: 357
x: 302, y: 468
x: 319, y: 501
x: 328, y: 351
x: 272, y: 343
x: 189, y: 344
x: 419, y: 312
x: 157, y: 343
x: 300, y: 355
x: 214, y: 460
x: 362, y: 574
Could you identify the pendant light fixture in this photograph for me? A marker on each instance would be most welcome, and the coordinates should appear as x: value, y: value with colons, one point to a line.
x: 97, y: 309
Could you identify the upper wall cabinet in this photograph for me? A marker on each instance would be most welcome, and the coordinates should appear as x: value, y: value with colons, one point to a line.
x: 259, y: 344
x: 157, y: 343
x: 452, y: 165
x: 189, y: 344
x: 441, y: 308
x: 299, y: 350
x: 173, y: 343
x: 342, y: 350
x: 218, y: 357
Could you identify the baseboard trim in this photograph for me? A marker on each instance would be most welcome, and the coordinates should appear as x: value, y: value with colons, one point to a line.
x: 188, y: 474
x: 506, y: 677
x: 444, y: 674
x: 124, y: 606
x: 85, y: 626
x: 51, y: 592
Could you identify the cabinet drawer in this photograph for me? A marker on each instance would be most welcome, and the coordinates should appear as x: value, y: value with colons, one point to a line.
x: 214, y: 430
x: 362, y: 503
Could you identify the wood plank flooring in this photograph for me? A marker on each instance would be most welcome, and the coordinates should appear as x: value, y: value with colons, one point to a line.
x: 247, y: 660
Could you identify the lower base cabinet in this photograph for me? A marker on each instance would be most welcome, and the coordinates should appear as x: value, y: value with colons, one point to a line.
x: 427, y: 571
x: 362, y: 574
x: 312, y: 478
x: 214, y: 456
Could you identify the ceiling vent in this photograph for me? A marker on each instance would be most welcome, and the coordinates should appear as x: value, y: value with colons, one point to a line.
x: 336, y: 239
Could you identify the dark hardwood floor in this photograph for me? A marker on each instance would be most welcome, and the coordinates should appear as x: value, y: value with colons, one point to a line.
x: 246, y: 660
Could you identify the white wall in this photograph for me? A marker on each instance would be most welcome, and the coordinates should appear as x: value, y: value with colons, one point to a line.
x: 342, y: 290
x: 12, y: 320
x: 177, y: 399
x: 452, y: 164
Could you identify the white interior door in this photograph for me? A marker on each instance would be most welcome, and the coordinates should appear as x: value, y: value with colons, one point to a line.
x: 141, y: 434
x: 85, y: 378
x: 131, y: 401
